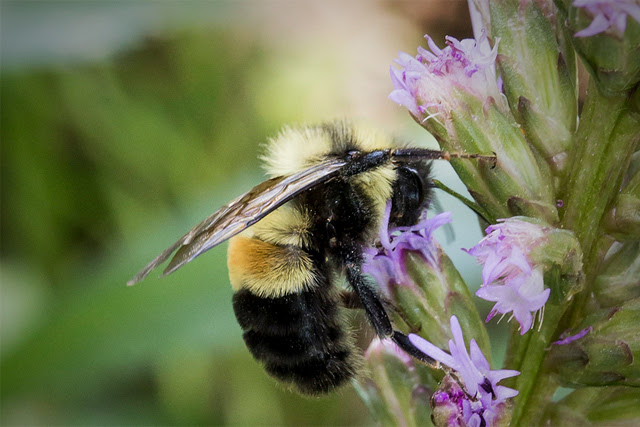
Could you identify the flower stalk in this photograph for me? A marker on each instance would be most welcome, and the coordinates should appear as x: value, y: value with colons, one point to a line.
x: 561, y: 253
x: 606, y: 138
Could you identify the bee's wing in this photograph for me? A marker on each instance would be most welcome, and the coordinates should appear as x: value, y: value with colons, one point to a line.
x: 241, y: 213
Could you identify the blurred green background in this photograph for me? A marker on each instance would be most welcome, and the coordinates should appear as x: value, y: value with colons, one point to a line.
x: 122, y: 125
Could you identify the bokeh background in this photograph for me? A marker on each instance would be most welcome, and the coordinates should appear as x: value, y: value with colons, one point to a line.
x: 123, y: 124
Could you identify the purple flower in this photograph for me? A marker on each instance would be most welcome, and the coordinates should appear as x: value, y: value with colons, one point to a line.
x: 505, y: 248
x: 482, y: 395
x: 568, y: 339
x: 426, y: 84
x: 523, y: 294
x: 386, y: 263
x: 509, y: 277
x: 608, y: 14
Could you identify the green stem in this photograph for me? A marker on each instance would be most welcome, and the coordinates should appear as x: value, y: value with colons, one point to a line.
x: 471, y: 205
x: 541, y: 394
x: 530, y: 384
x: 516, y: 351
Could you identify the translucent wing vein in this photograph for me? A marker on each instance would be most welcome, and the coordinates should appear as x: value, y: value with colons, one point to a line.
x: 240, y: 213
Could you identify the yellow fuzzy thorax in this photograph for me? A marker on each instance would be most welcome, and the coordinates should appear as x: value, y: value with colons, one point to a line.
x: 269, y: 258
x: 288, y: 225
x: 379, y: 186
x: 295, y: 149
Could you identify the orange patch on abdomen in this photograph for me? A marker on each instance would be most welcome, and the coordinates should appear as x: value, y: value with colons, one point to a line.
x: 268, y: 270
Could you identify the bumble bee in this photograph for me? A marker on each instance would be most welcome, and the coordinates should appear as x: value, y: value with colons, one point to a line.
x: 295, y: 235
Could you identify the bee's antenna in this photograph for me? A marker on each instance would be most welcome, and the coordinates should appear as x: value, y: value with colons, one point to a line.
x: 407, y: 154
x: 492, y: 158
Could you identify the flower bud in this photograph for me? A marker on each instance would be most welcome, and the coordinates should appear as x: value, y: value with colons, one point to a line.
x: 619, y: 280
x: 623, y: 220
x: 397, y: 391
x: 606, y: 36
x: 539, y: 76
x: 608, y: 355
x: 447, y: 404
x: 452, y: 408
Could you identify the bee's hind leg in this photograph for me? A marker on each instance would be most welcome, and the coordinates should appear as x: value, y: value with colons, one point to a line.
x: 370, y: 301
x: 404, y: 343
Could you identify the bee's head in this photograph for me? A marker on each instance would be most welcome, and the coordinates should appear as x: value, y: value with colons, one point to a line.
x: 411, y: 193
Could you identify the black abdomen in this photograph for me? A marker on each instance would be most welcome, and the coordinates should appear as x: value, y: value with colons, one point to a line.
x: 298, y: 337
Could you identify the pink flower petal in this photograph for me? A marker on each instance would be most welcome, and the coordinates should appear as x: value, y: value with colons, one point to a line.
x: 571, y: 338
x: 482, y: 393
x: 432, y: 351
x: 430, y: 77
x: 607, y: 14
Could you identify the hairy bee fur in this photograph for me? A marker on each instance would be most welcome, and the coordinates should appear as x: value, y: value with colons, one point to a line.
x: 299, y: 232
x: 282, y: 268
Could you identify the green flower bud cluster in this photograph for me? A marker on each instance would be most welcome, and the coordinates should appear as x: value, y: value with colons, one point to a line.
x: 438, y: 292
x: 605, y: 406
x: 623, y: 219
x: 619, y: 280
x: 608, y: 355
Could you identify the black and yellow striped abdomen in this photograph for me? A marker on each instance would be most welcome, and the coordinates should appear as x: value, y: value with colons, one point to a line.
x: 289, y: 311
x: 299, y: 338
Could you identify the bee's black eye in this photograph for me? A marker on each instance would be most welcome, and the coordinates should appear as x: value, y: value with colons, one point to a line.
x: 410, y: 196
